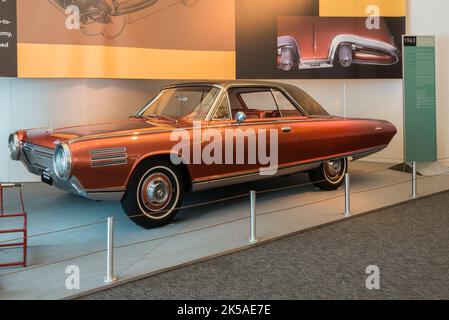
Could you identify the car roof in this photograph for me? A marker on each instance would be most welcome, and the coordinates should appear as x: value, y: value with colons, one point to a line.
x: 305, y: 102
x: 227, y: 83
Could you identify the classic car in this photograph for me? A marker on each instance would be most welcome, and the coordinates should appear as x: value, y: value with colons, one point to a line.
x: 135, y: 160
x: 320, y: 42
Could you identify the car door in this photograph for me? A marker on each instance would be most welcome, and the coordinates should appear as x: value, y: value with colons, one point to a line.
x: 291, y: 129
x: 264, y: 118
x: 307, y: 140
x: 270, y: 111
x: 249, y: 145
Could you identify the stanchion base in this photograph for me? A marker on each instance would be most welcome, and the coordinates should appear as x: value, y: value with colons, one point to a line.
x: 252, y: 241
x: 110, y: 281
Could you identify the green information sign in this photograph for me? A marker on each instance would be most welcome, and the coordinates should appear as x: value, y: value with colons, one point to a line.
x: 419, y: 99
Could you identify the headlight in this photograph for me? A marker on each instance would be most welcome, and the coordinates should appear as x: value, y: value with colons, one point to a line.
x: 62, y: 161
x: 14, y: 146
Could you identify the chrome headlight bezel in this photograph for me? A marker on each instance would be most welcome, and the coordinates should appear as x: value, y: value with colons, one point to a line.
x: 14, y: 146
x: 62, y: 161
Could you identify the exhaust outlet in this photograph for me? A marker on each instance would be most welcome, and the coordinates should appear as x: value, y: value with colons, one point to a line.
x: 287, y: 59
x: 345, y: 55
x: 288, y: 53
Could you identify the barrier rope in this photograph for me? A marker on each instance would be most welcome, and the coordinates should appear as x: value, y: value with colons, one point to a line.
x: 240, y: 196
x: 209, y: 226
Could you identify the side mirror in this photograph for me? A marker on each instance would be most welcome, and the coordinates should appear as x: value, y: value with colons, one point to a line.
x: 240, y: 117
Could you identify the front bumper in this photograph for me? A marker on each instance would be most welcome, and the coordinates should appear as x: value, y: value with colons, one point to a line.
x: 38, y: 159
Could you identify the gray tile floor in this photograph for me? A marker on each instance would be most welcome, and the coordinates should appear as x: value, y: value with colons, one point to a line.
x: 197, y: 233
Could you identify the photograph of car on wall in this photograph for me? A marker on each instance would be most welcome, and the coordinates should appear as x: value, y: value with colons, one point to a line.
x: 326, y: 42
x: 317, y: 39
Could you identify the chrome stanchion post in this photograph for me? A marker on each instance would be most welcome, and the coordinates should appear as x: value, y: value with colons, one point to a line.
x: 110, y: 278
x: 347, y: 195
x: 253, y: 237
x: 414, y: 181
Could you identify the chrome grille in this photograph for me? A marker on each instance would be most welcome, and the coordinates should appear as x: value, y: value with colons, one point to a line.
x: 38, y: 157
x: 108, y: 157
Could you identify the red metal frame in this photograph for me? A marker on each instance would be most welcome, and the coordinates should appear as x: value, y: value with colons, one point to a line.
x: 24, y: 231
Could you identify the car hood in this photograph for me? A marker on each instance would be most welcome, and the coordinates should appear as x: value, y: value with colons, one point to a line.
x: 48, y: 137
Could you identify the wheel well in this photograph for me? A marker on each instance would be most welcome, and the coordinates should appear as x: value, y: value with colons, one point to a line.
x: 182, y: 167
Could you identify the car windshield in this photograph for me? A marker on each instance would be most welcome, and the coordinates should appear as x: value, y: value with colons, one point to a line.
x: 182, y: 103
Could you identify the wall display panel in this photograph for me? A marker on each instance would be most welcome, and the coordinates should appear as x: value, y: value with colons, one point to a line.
x: 202, y: 39
x: 8, y: 38
x: 420, y: 118
x: 140, y: 39
x: 315, y: 39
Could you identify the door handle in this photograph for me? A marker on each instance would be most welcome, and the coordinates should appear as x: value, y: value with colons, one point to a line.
x: 286, y: 129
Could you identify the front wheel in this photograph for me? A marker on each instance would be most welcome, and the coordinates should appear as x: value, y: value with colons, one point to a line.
x: 330, y: 174
x: 154, y: 194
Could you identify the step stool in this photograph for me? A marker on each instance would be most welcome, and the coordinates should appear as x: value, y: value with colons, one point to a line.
x: 23, y: 231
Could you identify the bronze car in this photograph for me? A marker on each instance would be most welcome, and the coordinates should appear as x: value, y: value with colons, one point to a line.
x: 138, y: 161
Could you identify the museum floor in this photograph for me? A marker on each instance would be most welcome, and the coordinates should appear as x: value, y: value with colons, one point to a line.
x: 199, y: 232
x: 325, y: 263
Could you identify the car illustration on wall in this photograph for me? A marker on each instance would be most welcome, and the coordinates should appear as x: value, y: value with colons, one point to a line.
x: 323, y: 42
x: 110, y: 17
x: 132, y: 161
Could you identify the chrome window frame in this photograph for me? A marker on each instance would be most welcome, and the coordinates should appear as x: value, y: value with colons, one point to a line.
x: 224, y: 96
x: 261, y: 86
x: 289, y: 100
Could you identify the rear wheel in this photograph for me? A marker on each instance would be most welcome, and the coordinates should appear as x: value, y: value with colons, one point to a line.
x: 154, y: 194
x: 330, y: 175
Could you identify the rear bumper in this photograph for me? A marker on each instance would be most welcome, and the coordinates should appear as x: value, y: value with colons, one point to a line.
x: 363, y: 51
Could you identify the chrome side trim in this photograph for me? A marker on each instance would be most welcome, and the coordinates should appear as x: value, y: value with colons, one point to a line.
x: 107, y: 150
x: 367, y: 153
x: 108, y: 157
x: 118, y: 135
x: 109, y: 163
x: 105, y: 196
x: 200, y: 186
x: 255, y: 176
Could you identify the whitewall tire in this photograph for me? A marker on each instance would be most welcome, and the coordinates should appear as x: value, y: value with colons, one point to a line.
x: 330, y: 174
x: 155, y: 193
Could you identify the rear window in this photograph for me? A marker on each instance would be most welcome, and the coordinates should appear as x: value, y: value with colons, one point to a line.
x: 307, y: 103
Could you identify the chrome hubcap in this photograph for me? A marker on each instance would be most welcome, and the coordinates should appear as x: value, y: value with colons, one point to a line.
x: 334, y: 170
x: 158, y: 191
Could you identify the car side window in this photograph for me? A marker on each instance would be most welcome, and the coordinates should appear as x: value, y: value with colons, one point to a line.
x: 287, y: 108
x: 222, y: 112
x: 256, y: 103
